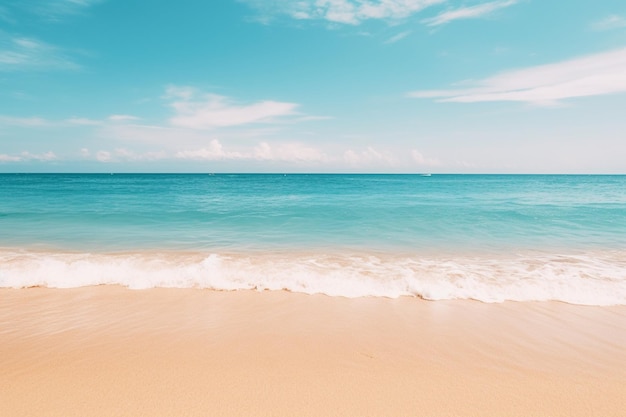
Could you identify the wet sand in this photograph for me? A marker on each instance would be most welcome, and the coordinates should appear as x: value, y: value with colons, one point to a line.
x: 110, y: 351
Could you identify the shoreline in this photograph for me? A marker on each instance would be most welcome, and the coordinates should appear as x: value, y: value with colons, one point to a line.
x: 581, y: 278
x: 107, y: 350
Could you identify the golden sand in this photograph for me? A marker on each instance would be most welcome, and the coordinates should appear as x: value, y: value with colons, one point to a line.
x: 109, y: 351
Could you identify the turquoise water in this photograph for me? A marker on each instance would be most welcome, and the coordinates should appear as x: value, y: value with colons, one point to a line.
x: 240, y: 212
x: 297, y: 232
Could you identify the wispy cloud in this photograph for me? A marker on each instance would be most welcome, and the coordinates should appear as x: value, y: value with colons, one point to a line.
x: 283, y: 152
x: 9, y: 158
x: 24, y: 121
x: 398, y: 37
x: 206, y: 111
x: 471, y: 12
x: 114, y: 118
x: 264, y: 152
x: 19, y: 53
x: 421, y: 160
x: 47, y: 156
x: 214, y: 151
x: 22, y: 54
x: 289, y: 152
x: 368, y: 156
x: 122, y: 118
x: 609, y: 23
x: 55, y: 10
x: 27, y: 156
x: 351, y: 12
x: 591, y: 75
x: 123, y: 155
x: 36, y: 122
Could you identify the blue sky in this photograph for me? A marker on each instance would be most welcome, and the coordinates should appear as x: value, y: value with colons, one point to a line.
x: 501, y: 86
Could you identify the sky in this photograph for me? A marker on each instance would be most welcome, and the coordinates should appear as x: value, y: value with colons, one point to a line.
x: 397, y: 86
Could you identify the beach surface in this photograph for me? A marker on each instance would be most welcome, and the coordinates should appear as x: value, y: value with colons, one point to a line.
x: 111, y: 351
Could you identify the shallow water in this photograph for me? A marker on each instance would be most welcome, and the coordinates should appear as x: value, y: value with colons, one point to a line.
x: 485, y: 237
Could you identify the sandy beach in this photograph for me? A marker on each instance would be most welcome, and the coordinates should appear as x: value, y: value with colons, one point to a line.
x: 110, y: 351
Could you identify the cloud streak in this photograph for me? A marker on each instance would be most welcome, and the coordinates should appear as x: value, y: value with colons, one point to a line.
x: 22, y: 54
x: 123, y: 155
x: 421, y: 160
x: 27, y: 156
x: 210, y: 111
x: 609, y: 23
x: 24, y: 121
x: 398, y: 37
x: 39, y: 122
x: 591, y: 75
x: 122, y: 118
x: 350, y: 12
x: 284, y: 152
x: 472, y: 12
x: 368, y: 156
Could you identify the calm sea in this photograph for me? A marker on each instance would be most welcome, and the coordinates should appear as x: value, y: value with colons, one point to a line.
x: 484, y: 237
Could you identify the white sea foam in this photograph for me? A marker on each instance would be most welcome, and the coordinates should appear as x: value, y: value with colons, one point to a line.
x: 597, y: 278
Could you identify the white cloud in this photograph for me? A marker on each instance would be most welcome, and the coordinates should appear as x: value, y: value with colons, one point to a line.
x: 81, y: 121
x: 180, y: 92
x: 168, y: 137
x: 352, y: 12
x: 610, y: 22
x: 26, y: 156
x: 284, y: 152
x: 300, y: 153
x: 471, y: 12
x: 215, y: 151
x: 122, y: 118
x: 20, y: 54
x: 24, y: 121
x: 367, y: 157
x: 398, y: 37
x: 115, y: 118
x: 9, y: 158
x: 35, y: 121
x: 125, y: 155
x: 103, y: 156
x: 153, y: 156
x: 339, y: 11
x: 420, y: 159
x: 193, y: 114
x: 264, y: 152
x: 289, y: 152
x: 210, y: 110
x: 591, y: 75
x: 47, y: 156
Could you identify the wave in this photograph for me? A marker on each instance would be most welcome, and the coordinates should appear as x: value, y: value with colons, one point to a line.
x: 591, y: 278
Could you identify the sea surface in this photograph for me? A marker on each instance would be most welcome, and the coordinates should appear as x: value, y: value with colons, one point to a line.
x: 484, y: 237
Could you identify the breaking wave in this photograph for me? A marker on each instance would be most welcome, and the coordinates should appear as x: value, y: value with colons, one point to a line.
x: 592, y: 278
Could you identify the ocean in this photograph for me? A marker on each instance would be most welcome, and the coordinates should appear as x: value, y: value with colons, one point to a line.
x: 490, y: 238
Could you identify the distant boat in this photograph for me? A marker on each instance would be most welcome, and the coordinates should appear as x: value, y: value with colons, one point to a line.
x: 425, y: 175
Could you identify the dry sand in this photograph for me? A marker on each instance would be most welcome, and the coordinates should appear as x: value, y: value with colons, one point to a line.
x: 109, y: 351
